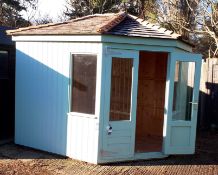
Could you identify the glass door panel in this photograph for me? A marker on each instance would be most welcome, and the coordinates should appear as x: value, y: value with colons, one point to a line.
x: 121, y: 87
x: 183, y: 90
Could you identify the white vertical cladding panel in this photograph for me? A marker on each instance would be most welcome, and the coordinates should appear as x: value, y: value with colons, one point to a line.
x: 83, y: 138
x: 42, y: 96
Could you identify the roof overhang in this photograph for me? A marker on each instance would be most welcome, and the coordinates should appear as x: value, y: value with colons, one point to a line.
x: 162, y: 42
x: 58, y: 38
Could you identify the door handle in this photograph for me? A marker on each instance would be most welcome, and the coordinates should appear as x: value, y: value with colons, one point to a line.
x: 193, y: 103
x: 109, y: 129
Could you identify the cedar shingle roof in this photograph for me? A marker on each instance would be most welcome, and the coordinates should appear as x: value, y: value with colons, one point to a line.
x: 114, y: 24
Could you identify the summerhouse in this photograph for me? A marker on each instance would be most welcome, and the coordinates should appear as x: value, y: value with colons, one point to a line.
x: 105, y: 88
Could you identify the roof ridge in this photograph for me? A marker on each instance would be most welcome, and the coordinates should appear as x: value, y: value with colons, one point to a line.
x: 118, y: 19
x: 83, y: 18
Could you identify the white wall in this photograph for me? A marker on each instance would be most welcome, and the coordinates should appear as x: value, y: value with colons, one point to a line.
x: 42, y: 99
x: 83, y: 138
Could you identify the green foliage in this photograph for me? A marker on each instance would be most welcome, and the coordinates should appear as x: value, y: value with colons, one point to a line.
x: 10, y: 12
x: 79, y: 8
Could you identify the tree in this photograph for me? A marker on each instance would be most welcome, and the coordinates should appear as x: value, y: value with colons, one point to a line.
x: 207, y: 20
x: 43, y: 19
x: 79, y: 8
x: 195, y: 20
x: 178, y: 16
x: 10, y: 12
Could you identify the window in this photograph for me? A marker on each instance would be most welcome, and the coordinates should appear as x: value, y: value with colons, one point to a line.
x: 121, y: 88
x: 175, y: 91
x: 83, y: 83
x: 183, y: 90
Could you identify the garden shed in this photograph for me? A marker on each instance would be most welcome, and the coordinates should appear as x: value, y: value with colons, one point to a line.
x: 7, y: 68
x: 105, y: 88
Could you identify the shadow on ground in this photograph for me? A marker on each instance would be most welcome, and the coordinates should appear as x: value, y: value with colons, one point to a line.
x: 12, y: 151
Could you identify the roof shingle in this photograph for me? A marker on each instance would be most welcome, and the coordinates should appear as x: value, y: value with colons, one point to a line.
x: 131, y: 26
x: 113, y: 24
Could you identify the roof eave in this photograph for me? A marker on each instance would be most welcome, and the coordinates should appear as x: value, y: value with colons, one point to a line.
x: 150, y: 41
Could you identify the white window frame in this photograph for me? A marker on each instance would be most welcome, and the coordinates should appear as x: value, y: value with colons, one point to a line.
x: 79, y: 114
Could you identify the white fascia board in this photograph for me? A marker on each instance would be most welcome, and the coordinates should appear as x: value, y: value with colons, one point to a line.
x: 58, y: 38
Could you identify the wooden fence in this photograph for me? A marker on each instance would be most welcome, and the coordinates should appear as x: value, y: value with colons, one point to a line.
x: 208, y: 105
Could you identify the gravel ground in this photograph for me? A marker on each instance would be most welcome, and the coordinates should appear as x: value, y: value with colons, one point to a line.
x: 19, y: 160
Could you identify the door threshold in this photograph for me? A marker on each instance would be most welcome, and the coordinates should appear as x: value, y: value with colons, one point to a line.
x: 150, y: 155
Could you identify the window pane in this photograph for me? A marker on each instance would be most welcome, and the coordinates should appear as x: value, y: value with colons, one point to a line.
x: 84, y: 83
x: 183, y: 90
x: 121, y: 87
x: 176, y: 79
x: 3, y: 64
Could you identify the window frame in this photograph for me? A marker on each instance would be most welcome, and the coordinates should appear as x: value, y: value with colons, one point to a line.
x: 79, y: 114
x: 131, y: 87
x: 178, y: 109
